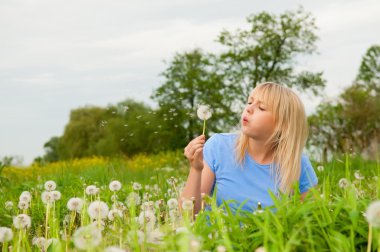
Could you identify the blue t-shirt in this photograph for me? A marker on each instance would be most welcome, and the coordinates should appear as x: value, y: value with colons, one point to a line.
x: 250, y: 181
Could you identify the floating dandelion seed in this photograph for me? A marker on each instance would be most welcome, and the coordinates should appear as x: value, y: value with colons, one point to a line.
x: 320, y: 168
x: 115, y: 186
x: 87, y: 237
x: 75, y: 204
x: 21, y: 221
x: 6, y: 234
x: 204, y: 113
x: 50, y: 185
x: 98, y: 209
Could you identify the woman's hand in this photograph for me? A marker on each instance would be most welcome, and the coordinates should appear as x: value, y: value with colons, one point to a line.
x: 194, y: 152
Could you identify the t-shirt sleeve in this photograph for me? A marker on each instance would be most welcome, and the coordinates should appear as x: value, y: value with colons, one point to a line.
x: 209, y: 152
x: 308, y: 177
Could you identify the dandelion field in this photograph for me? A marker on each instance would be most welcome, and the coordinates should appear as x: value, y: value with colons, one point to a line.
x: 100, y: 204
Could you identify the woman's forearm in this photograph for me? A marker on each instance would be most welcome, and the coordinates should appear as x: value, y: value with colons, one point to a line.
x: 193, y: 189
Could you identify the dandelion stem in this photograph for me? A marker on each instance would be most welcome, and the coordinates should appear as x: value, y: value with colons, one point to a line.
x: 369, y: 238
x: 204, y: 126
x: 46, y: 220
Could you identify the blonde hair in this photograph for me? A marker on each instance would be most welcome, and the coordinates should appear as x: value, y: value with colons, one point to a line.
x: 289, y: 136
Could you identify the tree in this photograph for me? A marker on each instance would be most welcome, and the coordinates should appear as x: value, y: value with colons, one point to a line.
x: 369, y: 71
x: 191, y: 79
x: 268, y: 50
x: 353, y: 124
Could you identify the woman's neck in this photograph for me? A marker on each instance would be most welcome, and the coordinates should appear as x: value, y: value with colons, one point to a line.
x: 260, y: 152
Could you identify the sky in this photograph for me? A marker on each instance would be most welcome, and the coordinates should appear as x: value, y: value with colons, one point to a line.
x: 56, y: 55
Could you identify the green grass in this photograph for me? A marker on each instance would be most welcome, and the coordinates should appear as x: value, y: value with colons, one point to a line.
x: 329, y: 219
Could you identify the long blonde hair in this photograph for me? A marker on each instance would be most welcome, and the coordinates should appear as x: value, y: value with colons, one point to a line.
x: 289, y: 136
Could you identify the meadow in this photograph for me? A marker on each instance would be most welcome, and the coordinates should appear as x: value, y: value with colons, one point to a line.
x: 120, y: 204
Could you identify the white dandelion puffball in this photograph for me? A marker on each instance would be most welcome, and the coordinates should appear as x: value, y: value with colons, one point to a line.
x: 187, y: 204
x: 114, y: 213
x: 204, y: 112
x: 6, y: 234
x: 260, y: 249
x: 115, y: 186
x: 343, y: 183
x: 155, y: 236
x: 23, y: 205
x: 50, y: 185
x: 148, y: 219
x: 87, y: 237
x: 75, y: 204
x: 25, y: 196
x: 98, y: 209
x: 136, y: 186
x: 47, y: 197
x: 133, y: 199
x: 114, y: 249
x: 172, y: 203
x: 8, y: 205
x: 22, y: 221
x: 221, y: 248
x: 99, y: 224
x: 92, y: 190
x: 358, y: 176
x: 56, y: 195
x: 373, y: 214
x: 320, y: 168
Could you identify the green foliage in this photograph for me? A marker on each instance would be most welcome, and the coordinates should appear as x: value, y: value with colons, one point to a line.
x: 353, y: 122
x: 267, y: 50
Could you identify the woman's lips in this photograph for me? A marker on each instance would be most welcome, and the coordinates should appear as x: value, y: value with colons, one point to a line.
x: 245, y: 119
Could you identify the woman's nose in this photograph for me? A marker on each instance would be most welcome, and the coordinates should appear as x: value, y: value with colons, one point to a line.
x: 249, y: 108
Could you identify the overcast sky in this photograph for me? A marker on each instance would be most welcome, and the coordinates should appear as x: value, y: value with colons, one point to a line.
x: 60, y: 55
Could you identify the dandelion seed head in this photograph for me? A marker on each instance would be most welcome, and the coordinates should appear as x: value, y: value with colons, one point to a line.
x: 115, y: 186
x: 50, y: 185
x: 23, y: 205
x: 98, y: 209
x: 204, y: 112
x: 172, y: 203
x: 25, y: 196
x: 75, y: 204
x: 8, y: 205
x: 6, y: 234
x: 56, y: 195
x: 373, y: 214
x: 136, y: 186
x: 114, y: 213
x: 92, y: 190
x: 87, y: 237
x: 343, y: 183
x: 47, y: 197
x: 22, y: 221
x: 187, y: 204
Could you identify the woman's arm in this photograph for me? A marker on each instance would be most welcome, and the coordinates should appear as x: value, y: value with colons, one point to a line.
x: 200, y: 178
x: 198, y: 182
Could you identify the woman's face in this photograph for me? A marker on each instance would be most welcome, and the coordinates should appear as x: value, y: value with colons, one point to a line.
x: 257, y: 120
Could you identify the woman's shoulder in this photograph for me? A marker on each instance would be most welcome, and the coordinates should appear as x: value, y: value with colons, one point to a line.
x: 223, y: 137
